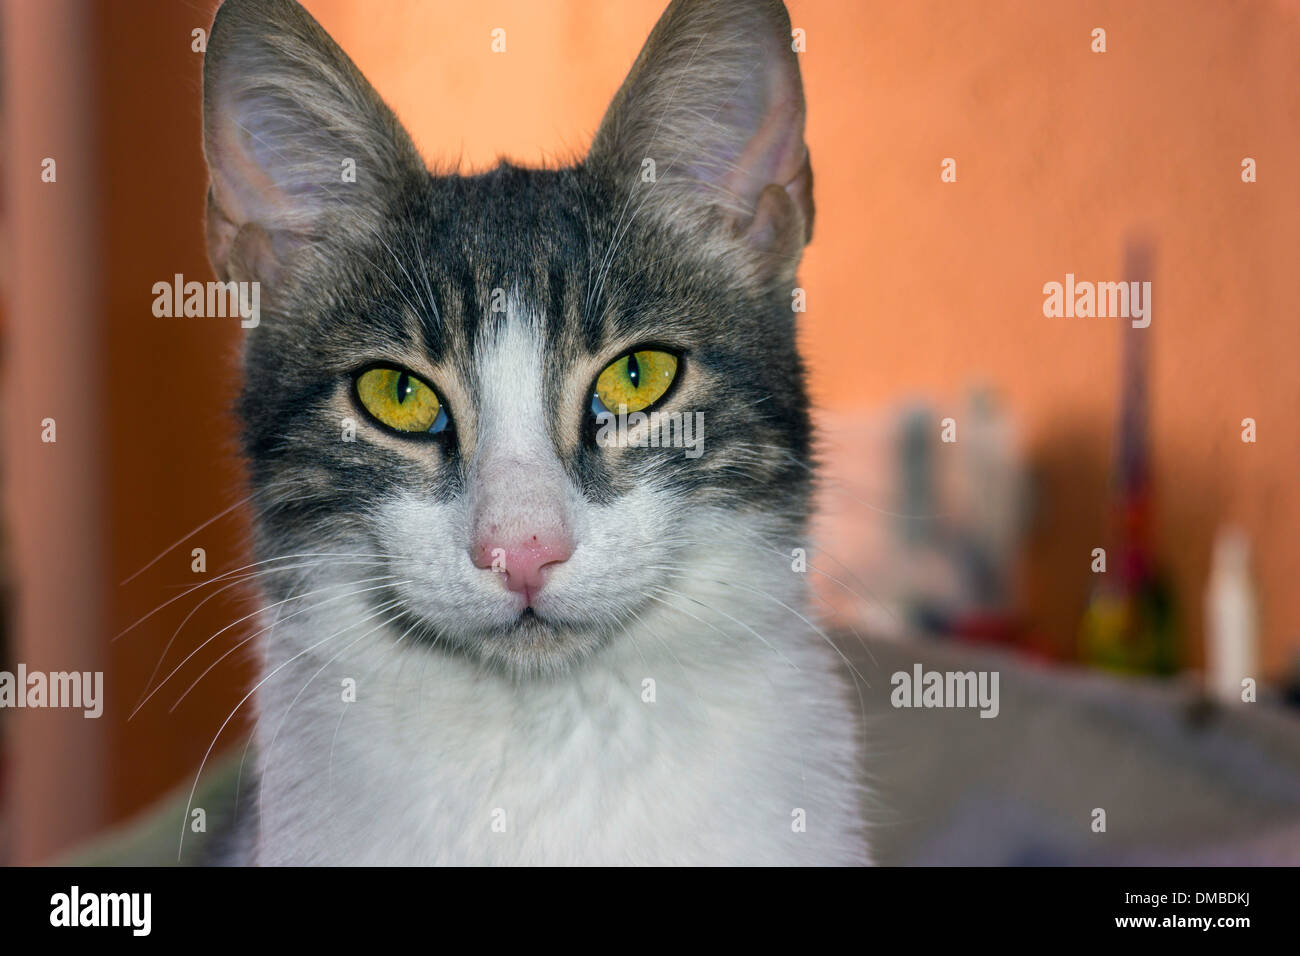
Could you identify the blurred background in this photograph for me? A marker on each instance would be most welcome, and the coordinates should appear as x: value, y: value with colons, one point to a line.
x: 976, y: 453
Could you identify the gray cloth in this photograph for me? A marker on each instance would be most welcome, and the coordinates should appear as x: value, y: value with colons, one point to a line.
x: 1180, y: 781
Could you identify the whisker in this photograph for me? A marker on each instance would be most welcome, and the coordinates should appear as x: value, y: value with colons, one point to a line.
x: 246, y: 640
x: 221, y: 577
x: 263, y: 630
x: 183, y: 538
x: 383, y: 609
x: 242, y: 579
x: 688, y: 597
x: 231, y: 716
x: 334, y: 739
x: 691, y: 572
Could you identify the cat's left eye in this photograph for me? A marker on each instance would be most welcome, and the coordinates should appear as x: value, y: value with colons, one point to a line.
x: 396, y: 398
x: 635, y: 381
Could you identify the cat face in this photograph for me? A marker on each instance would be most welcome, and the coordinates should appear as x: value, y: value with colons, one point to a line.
x: 446, y: 378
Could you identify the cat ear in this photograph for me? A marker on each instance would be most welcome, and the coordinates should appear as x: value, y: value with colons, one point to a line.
x: 299, y: 146
x: 707, y: 129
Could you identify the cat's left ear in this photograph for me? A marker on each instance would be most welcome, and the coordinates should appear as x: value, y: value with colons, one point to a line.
x: 707, y: 131
x: 301, y: 149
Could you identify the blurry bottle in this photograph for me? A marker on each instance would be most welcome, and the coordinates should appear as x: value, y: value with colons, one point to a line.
x: 1130, y: 622
x: 1231, y: 618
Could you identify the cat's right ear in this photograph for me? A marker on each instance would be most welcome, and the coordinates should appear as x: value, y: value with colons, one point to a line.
x: 300, y: 148
x: 707, y: 133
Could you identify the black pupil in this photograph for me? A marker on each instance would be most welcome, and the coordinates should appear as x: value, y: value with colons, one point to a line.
x: 403, y: 387
x: 633, y: 371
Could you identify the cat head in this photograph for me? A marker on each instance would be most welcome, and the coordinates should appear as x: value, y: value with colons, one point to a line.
x: 447, y: 373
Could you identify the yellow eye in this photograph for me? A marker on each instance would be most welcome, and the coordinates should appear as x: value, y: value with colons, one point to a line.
x: 636, y: 381
x: 400, y: 400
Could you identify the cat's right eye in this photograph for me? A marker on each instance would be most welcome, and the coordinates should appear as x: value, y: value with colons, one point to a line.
x: 399, y: 400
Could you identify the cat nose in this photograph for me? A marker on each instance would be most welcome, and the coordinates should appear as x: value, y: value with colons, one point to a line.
x: 525, y: 564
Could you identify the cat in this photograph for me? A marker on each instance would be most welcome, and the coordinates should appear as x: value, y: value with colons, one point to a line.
x: 490, y: 635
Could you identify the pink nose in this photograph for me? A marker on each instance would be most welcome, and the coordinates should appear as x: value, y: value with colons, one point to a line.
x: 524, y: 565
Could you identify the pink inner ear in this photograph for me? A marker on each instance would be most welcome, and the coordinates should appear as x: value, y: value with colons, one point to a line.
x: 250, y: 215
x: 240, y: 194
x: 776, y: 153
x: 220, y: 234
x: 245, y: 190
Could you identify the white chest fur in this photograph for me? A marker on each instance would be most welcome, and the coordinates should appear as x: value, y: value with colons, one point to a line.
x: 681, y: 742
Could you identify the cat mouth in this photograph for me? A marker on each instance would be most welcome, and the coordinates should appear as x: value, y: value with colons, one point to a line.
x: 526, y: 643
x: 529, y: 624
x: 528, y: 617
x: 533, y: 629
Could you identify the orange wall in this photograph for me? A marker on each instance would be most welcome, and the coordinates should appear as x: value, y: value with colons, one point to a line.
x: 170, y: 437
x: 54, y: 541
x: 916, y: 286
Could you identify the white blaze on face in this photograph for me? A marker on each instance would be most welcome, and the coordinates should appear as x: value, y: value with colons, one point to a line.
x: 575, y: 562
x: 521, y: 501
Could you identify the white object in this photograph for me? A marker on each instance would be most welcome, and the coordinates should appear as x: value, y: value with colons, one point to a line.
x: 1231, y: 618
